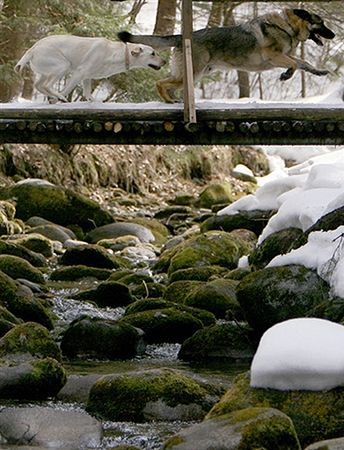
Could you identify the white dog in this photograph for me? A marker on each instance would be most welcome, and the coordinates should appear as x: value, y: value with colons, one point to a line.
x: 83, y: 59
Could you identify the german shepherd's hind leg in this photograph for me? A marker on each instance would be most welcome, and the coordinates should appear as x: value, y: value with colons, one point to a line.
x: 166, y: 87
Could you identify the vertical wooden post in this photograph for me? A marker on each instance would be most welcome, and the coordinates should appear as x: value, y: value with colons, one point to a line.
x: 189, y: 93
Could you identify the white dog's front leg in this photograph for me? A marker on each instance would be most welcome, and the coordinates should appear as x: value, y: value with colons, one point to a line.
x: 87, y: 90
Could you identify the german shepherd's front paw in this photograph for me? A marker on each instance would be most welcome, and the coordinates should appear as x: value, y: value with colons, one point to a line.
x: 287, y: 75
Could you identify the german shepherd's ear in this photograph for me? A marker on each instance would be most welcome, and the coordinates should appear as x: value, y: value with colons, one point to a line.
x: 303, y: 14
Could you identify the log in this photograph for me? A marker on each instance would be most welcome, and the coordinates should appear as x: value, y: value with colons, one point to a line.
x: 264, y: 112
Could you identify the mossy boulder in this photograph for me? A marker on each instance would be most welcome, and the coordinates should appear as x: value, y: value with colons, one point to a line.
x: 29, y: 337
x: 277, y: 243
x: 183, y: 199
x: 107, y: 293
x: 275, y: 294
x: 165, y: 325
x: 178, y: 291
x: 145, y: 290
x: 36, y: 243
x: 206, y: 317
x: 131, y: 279
x: 33, y: 380
x: 16, y: 249
x: 116, y: 229
x: 329, y: 221
x: 159, y: 230
x: 210, y: 248
x: 147, y: 304
x: 149, y: 395
x: 89, y: 255
x: 8, y: 223
x: 248, y: 429
x: 329, y: 444
x: 219, y: 342
x: 218, y: 297
x: 78, y: 272
x: 249, y: 220
x: 102, y: 339
x: 214, y: 194
x: 7, y: 321
x: 168, y: 211
x: 26, y: 307
x: 141, y: 285
x: 198, y: 273
x: 52, y: 232
x: 316, y: 415
x: 56, y: 204
x: 17, y: 267
x: 119, y: 243
x: 30, y: 308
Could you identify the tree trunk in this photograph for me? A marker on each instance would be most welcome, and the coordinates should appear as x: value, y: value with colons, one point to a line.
x: 243, y: 77
x: 215, y: 16
x: 165, y: 17
x: 244, y: 84
x: 16, y: 38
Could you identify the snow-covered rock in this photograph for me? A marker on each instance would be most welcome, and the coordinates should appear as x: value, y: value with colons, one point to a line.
x: 300, y: 354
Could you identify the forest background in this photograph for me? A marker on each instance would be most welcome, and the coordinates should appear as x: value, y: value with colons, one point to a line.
x: 23, y: 22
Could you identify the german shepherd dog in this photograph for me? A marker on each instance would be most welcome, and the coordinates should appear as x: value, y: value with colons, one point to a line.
x: 263, y: 43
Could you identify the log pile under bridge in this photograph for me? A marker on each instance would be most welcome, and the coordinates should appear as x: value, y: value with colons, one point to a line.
x: 69, y: 124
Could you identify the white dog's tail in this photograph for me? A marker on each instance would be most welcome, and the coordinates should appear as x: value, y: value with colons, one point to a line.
x: 24, y: 60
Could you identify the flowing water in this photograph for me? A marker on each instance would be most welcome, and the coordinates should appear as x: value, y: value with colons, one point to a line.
x: 146, y: 436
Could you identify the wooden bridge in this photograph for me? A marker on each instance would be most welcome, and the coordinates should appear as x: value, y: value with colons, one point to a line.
x: 236, y: 123
x: 189, y: 123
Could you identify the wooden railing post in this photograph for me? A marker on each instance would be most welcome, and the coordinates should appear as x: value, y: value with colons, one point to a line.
x: 189, y: 93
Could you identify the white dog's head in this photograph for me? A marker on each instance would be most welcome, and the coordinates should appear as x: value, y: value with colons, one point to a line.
x: 145, y: 56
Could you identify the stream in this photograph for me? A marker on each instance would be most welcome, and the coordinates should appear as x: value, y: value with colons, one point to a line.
x: 146, y: 436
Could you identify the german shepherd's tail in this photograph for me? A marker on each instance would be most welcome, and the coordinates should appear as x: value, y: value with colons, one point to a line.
x: 157, y: 42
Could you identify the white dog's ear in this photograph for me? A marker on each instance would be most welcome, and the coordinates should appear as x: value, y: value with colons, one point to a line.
x: 136, y: 51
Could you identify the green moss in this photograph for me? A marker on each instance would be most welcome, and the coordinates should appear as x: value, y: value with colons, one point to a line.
x: 29, y: 337
x: 174, y: 440
x: 178, y: 291
x: 276, y: 432
x: 125, y: 397
x: 198, y: 273
x: 210, y: 248
x: 8, y: 289
x: 275, y: 244
x: 61, y: 206
x: 216, y: 193
x: 36, y: 243
x: 165, y: 325
x: 317, y: 415
x: 160, y: 231
x: 217, y: 296
x: 17, y: 267
x: 227, y: 341
x: 16, y: 249
x: 45, y: 380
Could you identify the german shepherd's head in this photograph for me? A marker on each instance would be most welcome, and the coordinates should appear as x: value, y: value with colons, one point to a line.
x: 315, y: 25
